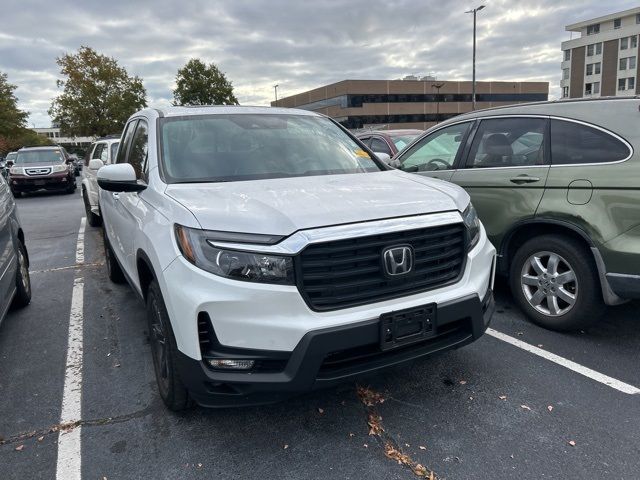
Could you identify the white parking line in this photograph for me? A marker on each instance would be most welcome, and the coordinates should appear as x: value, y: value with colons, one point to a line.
x: 576, y: 367
x: 69, y: 463
x: 80, y: 242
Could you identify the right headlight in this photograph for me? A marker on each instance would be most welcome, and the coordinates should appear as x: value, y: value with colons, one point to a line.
x: 59, y: 168
x: 197, y: 248
x: 16, y: 171
x: 472, y: 222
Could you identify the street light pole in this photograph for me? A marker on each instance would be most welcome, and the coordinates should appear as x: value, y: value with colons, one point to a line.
x: 473, y: 81
x: 275, y: 89
x: 437, y: 86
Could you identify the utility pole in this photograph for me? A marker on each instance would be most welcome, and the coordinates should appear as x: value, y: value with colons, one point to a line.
x: 473, y: 82
x: 275, y: 89
x: 437, y: 86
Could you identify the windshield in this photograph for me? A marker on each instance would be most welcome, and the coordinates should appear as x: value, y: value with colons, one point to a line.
x: 114, y: 151
x: 39, y: 156
x: 402, y: 141
x: 222, y: 148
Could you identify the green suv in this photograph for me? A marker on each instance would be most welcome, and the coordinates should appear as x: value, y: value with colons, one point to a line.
x: 557, y: 187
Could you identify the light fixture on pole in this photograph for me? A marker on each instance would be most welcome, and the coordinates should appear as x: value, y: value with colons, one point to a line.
x: 437, y: 86
x: 275, y: 89
x: 473, y: 81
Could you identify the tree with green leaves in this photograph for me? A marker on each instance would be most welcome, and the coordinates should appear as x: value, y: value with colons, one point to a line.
x: 98, y: 95
x: 200, y: 84
x: 14, y: 133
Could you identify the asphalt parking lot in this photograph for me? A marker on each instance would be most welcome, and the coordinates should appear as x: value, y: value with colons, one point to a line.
x: 489, y: 410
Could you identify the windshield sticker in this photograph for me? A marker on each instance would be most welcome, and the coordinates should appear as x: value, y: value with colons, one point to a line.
x: 361, y: 153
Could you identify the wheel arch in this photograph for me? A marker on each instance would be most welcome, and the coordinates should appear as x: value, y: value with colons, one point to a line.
x: 145, y: 271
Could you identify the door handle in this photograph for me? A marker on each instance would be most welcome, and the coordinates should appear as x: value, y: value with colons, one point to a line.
x: 520, y: 179
x: 116, y: 195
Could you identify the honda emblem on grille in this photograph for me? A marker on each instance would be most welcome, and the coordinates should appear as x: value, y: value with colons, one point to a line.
x: 398, y: 260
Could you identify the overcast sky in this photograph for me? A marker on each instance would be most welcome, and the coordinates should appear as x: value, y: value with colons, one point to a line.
x: 297, y: 44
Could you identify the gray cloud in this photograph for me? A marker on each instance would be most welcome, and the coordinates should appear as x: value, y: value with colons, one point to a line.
x: 299, y: 45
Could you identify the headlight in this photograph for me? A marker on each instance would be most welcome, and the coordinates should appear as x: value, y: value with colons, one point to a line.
x: 472, y: 222
x: 252, y: 267
x: 16, y: 171
x: 59, y: 168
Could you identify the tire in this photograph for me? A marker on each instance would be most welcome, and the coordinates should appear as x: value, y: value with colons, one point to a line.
x: 93, y: 219
x: 113, y: 267
x: 164, y: 352
x: 556, y: 267
x: 23, y: 279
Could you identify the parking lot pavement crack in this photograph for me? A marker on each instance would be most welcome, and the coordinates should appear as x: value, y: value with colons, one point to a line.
x: 392, y: 449
x: 69, y: 426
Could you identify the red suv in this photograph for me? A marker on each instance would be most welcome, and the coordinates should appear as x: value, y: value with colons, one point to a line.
x: 37, y: 168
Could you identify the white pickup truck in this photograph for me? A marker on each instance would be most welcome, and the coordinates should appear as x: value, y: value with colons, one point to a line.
x: 276, y: 254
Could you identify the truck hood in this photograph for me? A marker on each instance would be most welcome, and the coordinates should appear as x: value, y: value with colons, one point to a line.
x: 285, y: 205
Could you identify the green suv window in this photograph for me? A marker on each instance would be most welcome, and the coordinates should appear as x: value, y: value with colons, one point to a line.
x: 508, y: 142
x: 573, y: 143
x: 437, y: 151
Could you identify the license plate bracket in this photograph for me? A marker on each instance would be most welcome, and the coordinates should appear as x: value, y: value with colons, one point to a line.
x: 404, y: 327
x: 39, y: 183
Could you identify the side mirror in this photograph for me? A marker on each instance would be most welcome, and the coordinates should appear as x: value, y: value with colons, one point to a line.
x: 96, y: 164
x: 120, y: 177
x: 383, y: 157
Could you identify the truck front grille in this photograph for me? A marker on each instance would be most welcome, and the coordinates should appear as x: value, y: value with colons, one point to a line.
x: 346, y: 273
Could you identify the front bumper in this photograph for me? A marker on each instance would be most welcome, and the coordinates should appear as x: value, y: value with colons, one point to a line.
x: 26, y: 183
x: 329, y: 356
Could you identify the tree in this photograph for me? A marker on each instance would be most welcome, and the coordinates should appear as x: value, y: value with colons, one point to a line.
x: 98, y: 95
x: 199, y: 84
x: 13, y: 121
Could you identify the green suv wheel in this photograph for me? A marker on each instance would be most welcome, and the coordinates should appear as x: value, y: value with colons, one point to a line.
x: 554, y: 280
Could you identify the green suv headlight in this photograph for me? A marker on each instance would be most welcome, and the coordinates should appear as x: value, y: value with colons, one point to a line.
x: 196, y: 247
x: 472, y: 222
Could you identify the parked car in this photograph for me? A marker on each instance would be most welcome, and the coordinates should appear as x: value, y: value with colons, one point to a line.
x: 77, y: 165
x: 37, y: 168
x: 15, y: 283
x: 275, y: 255
x: 102, y: 152
x: 556, y: 185
x: 6, y: 163
x: 388, y: 141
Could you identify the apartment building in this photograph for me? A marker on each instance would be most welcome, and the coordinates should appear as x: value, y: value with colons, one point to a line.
x: 408, y: 103
x: 603, y: 60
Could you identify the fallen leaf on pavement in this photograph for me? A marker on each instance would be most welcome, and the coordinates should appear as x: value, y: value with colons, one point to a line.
x: 463, y: 382
x: 41, y: 438
x: 369, y: 397
x: 572, y: 443
x: 422, y: 448
x: 320, y: 411
x: 525, y: 407
x: 19, y: 448
x: 550, y: 408
x: 502, y: 397
x: 286, y: 446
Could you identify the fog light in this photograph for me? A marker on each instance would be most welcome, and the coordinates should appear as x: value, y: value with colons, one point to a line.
x: 230, y: 364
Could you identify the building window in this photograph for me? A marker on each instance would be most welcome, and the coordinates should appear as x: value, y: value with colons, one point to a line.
x: 637, y: 17
x: 590, y: 50
x: 567, y: 55
x: 617, y: 23
x: 598, y: 48
x: 565, y: 73
x: 624, y: 43
x: 593, y: 29
x: 631, y: 83
x: 623, y: 64
x: 589, y: 68
x: 596, y: 87
x: 565, y: 92
x: 592, y: 88
x: 588, y: 88
x: 622, y: 82
x: 596, y: 68
x: 632, y: 63
x: 634, y: 41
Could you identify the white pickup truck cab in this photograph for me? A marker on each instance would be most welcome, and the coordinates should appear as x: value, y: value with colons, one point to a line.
x: 276, y: 254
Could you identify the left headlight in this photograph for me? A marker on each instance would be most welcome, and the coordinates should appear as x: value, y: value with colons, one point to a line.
x: 59, y: 168
x: 247, y: 266
x: 16, y: 171
x: 472, y: 222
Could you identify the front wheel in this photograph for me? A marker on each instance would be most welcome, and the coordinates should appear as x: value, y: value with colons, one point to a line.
x: 23, y: 280
x: 164, y: 351
x: 554, y: 280
x: 93, y: 219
